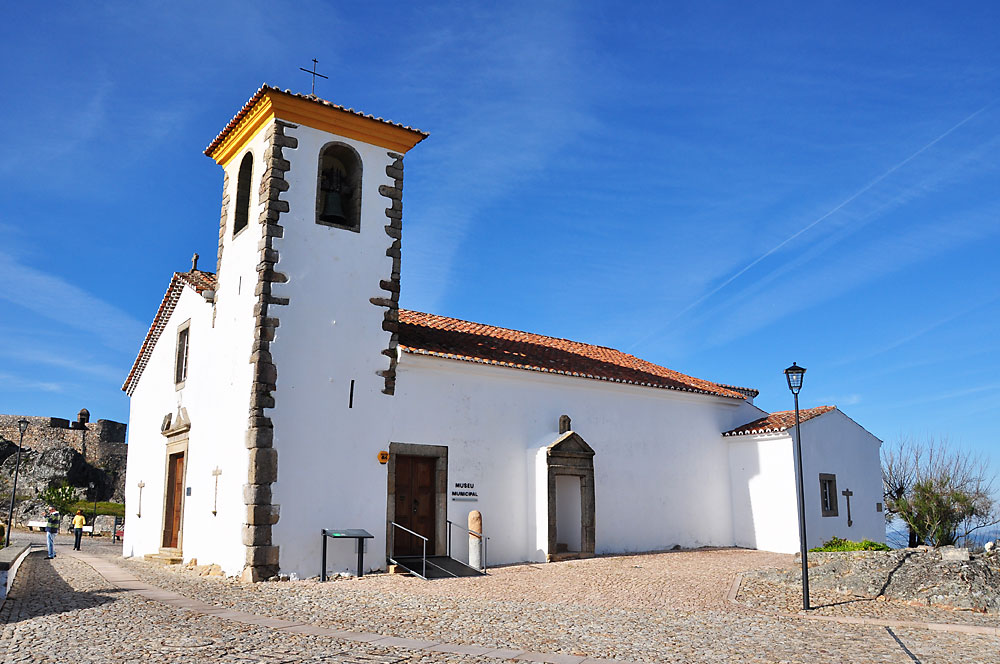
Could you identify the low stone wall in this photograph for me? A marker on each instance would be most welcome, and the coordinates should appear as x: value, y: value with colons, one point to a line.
x: 921, y: 576
x: 10, y: 560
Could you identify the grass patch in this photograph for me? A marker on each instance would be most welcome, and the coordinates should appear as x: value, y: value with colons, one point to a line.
x: 838, y: 544
x: 108, y: 508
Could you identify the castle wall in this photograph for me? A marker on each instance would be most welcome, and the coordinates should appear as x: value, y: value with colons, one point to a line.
x: 103, y: 439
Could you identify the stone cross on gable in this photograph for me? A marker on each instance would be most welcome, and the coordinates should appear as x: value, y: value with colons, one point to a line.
x: 847, y: 493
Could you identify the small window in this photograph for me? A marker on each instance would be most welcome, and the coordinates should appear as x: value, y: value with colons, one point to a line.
x: 181, y: 359
x: 242, y: 215
x: 828, y: 494
x: 338, y: 196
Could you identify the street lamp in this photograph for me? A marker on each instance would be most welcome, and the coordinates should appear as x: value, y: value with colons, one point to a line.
x: 93, y: 526
x: 794, y: 375
x: 22, y: 426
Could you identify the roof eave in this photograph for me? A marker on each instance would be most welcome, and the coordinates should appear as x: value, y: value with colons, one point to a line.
x: 572, y: 374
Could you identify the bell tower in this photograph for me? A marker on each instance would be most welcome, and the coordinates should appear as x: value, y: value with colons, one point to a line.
x: 309, y: 251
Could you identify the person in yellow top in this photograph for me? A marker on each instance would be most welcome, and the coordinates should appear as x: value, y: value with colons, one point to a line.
x: 78, y: 522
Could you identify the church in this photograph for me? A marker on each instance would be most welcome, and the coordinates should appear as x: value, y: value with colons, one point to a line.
x: 287, y: 393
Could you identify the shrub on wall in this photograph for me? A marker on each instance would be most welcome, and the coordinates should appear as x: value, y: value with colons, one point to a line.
x: 838, y: 544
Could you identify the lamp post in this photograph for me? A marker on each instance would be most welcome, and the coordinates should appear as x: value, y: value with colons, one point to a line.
x: 22, y: 426
x: 93, y: 525
x: 794, y: 375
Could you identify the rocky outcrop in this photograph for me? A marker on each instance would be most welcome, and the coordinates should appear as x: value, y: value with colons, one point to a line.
x: 918, y: 576
x: 49, y: 468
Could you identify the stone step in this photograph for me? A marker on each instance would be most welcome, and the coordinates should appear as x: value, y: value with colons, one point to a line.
x: 165, y: 558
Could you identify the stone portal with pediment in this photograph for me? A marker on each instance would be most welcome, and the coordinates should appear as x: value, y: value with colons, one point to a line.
x: 570, y: 463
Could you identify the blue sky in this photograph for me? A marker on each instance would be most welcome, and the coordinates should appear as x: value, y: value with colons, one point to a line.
x: 720, y: 188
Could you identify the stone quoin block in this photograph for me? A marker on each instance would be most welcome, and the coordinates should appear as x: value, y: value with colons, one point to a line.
x: 262, y: 437
x: 262, y: 555
x: 254, y: 535
x: 263, y: 465
x: 257, y: 494
x: 262, y: 515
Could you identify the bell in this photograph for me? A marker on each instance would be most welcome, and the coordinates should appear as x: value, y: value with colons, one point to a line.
x: 333, y: 210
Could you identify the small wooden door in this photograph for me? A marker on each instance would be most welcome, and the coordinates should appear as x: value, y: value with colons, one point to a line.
x: 175, y: 496
x: 416, y: 504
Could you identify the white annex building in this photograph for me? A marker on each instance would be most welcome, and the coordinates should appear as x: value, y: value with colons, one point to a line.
x: 265, y: 396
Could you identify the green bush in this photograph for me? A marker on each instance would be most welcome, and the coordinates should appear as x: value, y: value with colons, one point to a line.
x: 60, y: 497
x: 838, y: 544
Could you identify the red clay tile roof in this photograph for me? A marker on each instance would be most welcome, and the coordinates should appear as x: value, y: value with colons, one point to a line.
x: 440, y: 336
x: 748, y: 392
x: 200, y: 281
x: 428, y: 334
x: 778, y: 422
x: 313, y: 98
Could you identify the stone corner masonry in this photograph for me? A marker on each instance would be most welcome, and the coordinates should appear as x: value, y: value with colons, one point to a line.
x: 261, y: 514
x: 394, y: 229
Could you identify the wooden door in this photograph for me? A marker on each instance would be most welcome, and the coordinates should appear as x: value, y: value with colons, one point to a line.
x: 175, y: 496
x: 416, y: 504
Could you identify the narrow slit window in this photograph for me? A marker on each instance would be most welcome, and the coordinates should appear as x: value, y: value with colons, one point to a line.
x: 828, y: 494
x: 181, y: 363
x: 242, y: 215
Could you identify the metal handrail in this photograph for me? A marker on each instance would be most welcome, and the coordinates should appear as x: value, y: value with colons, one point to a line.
x: 452, y: 524
x: 392, y: 539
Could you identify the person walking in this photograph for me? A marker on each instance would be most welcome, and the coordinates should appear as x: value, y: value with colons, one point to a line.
x: 78, y: 521
x: 51, y: 528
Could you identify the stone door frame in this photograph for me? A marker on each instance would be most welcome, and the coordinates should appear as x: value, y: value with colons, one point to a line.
x: 174, y: 448
x: 440, y: 454
x: 571, y: 455
x: 176, y: 429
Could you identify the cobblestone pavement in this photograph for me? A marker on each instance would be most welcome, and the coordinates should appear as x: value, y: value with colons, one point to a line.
x: 654, y: 608
x: 62, y: 611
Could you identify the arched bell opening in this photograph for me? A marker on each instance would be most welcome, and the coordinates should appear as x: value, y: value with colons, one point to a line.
x: 338, y: 196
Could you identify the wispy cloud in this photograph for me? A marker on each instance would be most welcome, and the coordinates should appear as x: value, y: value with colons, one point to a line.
x: 26, y: 351
x: 772, y: 297
x: 50, y: 133
x: 65, y: 303
x: 512, y: 105
x: 11, y: 382
x: 916, y: 334
x: 964, y: 393
x: 881, y: 207
x: 841, y: 401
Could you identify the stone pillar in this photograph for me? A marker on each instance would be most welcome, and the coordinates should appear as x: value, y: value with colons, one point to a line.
x: 261, y: 513
x: 476, y: 541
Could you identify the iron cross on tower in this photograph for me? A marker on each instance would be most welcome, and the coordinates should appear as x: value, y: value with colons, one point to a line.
x: 314, y: 74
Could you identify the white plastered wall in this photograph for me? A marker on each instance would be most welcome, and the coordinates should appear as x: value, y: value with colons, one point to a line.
x: 329, y: 335
x: 660, y: 467
x: 216, y: 396
x: 762, y: 471
x: 834, y: 443
x: 762, y: 467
